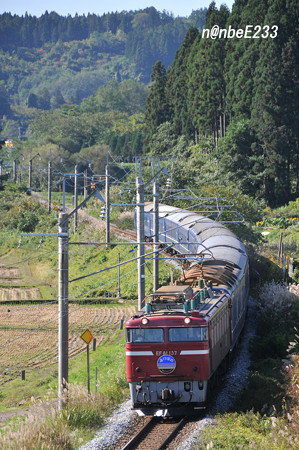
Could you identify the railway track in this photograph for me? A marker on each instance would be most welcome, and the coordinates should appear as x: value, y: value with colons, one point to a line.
x: 156, y: 434
x: 131, y: 235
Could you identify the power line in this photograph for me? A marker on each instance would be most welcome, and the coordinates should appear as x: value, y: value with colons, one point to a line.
x: 26, y: 307
x: 117, y: 265
x: 32, y: 258
x: 10, y: 341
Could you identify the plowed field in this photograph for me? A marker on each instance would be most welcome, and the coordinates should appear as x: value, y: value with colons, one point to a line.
x: 29, y: 334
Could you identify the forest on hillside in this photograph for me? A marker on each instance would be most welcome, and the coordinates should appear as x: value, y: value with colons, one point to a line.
x: 235, y: 99
x: 70, y: 57
x: 225, y: 109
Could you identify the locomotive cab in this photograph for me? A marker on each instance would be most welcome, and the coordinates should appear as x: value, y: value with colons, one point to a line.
x: 168, y: 356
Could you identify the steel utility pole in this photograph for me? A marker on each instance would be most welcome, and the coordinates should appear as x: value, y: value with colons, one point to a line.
x: 140, y: 238
x: 76, y: 197
x: 30, y: 175
x: 107, y: 206
x: 118, y: 291
x: 85, y: 183
x: 63, y: 271
x: 30, y: 170
x: 14, y: 170
x: 49, y: 185
x: 156, y: 188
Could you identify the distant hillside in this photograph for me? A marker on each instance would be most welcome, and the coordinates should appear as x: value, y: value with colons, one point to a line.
x: 50, y: 60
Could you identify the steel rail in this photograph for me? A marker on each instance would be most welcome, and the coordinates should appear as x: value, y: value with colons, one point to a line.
x: 135, y: 439
x: 172, y: 434
x: 149, y: 426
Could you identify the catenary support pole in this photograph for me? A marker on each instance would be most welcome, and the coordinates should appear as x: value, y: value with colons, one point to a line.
x: 156, y: 235
x: 49, y: 185
x: 63, y: 194
x: 118, y: 291
x: 85, y: 184
x: 14, y: 170
x: 76, y: 198
x: 107, y: 200
x: 30, y: 175
x: 140, y: 238
x: 63, y: 267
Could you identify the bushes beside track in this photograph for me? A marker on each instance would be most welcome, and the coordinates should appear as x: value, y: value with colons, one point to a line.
x: 267, y: 413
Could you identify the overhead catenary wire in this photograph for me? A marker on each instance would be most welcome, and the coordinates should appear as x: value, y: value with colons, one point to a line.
x: 78, y: 279
x: 21, y: 308
x: 32, y: 258
x: 10, y: 341
x: 117, y: 265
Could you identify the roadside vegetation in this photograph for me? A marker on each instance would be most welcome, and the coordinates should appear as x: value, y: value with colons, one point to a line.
x: 35, y: 322
x: 265, y: 415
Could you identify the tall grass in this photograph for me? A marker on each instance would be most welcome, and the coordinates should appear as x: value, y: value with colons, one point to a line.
x: 38, y: 432
x: 47, y: 428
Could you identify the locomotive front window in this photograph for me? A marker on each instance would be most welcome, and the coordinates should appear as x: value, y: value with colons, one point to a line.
x: 145, y: 335
x: 192, y: 334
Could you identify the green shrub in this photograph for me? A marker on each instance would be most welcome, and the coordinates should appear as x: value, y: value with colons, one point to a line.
x: 27, y: 221
x: 125, y: 222
x: 232, y: 431
x: 277, y: 308
x: 272, y: 345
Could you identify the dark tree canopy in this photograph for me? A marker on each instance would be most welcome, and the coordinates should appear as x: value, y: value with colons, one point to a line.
x: 242, y: 93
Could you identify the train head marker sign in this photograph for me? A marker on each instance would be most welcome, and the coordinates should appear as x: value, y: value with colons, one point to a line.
x: 166, y: 364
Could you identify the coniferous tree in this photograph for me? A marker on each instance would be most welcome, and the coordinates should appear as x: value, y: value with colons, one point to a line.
x: 44, y: 100
x: 241, y: 58
x: 206, y: 78
x: 177, y: 87
x: 4, y: 101
x: 32, y: 101
x: 157, y: 107
x: 273, y: 111
x: 57, y: 100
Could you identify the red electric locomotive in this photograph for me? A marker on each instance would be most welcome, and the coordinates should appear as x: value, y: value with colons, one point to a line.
x: 177, y: 343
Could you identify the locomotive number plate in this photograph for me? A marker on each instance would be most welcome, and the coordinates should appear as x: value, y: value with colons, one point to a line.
x: 166, y: 352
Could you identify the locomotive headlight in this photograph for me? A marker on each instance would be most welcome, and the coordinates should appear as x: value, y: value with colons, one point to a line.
x: 187, y: 386
x: 144, y: 321
x: 187, y: 320
x: 200, y: 385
